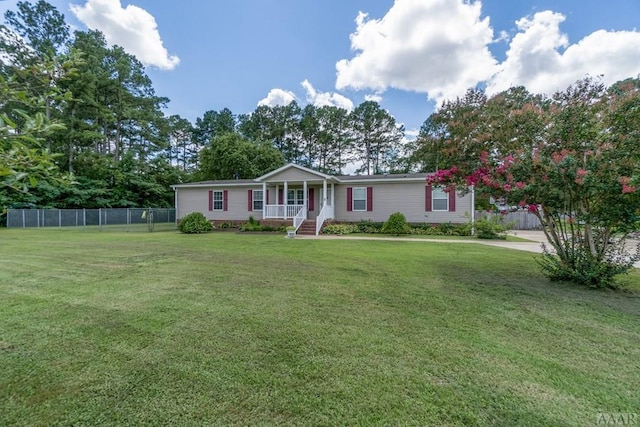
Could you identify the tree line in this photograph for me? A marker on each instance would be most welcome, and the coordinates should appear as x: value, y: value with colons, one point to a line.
x: 82, y: 126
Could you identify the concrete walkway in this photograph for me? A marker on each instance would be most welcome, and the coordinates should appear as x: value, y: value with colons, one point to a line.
x: 535, y: 238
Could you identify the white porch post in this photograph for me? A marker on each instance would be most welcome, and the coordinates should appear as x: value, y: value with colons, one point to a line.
x: 324, y: 193
x: 264, y: 200
x: 305, y: 198
x: 285, y: 198
x: 333, y: 195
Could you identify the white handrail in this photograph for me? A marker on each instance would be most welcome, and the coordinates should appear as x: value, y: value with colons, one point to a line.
x: 320, y: 219
x: 325, y: 212
x: 299, y: 218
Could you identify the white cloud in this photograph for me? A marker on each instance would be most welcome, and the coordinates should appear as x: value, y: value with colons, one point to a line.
x: 411, y: 134
x: 375, y: 97
x: 277, y: 97
x: 131, y: 27
x: 438, y: 47
x: 536, y: 60
x: 321, y: 99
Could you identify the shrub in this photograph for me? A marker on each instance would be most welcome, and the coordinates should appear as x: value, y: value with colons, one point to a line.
x: 195, y: 223
x: 340, y: 229
x: 396, y: 224
x: 448, y: 229
x: 489, y: 229
x: 368, y: 226
x: 579, y: 266
x: 251, y: 225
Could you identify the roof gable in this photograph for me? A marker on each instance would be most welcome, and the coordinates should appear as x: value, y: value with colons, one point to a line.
x: 292, y: 171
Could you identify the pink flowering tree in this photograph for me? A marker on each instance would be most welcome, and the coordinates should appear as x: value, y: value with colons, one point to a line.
x: 573, y: 160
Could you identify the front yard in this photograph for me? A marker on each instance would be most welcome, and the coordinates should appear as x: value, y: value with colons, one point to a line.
x: 229, y: 329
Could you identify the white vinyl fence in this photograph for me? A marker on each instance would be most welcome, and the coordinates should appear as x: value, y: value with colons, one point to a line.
x: 127, y: 219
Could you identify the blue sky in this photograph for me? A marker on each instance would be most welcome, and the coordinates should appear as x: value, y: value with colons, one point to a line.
x: 408, y: 55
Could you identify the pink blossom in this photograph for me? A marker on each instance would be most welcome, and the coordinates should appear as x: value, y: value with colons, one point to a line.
x: 581, y: 173
x: 557, y: 157
x: 520, y: 185
x: 626, y: 189
x: 532, y: 208
x: 624, y: 180
x: 507, y: 187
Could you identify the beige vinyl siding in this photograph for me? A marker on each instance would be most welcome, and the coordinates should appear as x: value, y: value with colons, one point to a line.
x: 405, y: 197
x: 388, y: 197
x: 197, y: 200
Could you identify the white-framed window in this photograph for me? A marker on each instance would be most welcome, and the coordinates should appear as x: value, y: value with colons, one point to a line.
x: 440, y: 199
x: 218, y: 200
x: 295, y: 196
x: 359, y: 198
x: 257, y: 200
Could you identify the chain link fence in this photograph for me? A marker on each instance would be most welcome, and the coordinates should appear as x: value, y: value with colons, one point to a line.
x: 124, y: 219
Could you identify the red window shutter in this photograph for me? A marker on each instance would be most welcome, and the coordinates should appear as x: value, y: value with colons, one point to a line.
x: 280, y: 197
x: 349, y: 199
x: 311, y: 201
x: 225, y: 200
x: 369, y: 199
x: 250, y: 201
x: 452, y: 200
x: 210, y: 200
x: 428, y: 198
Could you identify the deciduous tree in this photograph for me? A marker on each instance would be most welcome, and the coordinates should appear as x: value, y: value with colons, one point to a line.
x: 573, y: 160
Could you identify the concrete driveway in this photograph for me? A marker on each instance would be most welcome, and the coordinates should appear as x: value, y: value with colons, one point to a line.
x: 534, y: 244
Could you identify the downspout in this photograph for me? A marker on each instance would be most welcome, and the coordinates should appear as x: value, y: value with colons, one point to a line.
x: 175, y: 203
x: 473, y: 210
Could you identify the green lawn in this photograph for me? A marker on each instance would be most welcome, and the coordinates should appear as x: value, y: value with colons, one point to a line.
x: 227, y: 329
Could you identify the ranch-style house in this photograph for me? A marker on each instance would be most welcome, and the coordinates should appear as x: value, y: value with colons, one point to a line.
x: 302, y: 197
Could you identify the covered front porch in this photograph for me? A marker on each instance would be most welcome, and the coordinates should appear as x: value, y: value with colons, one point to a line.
x: 299, y: 194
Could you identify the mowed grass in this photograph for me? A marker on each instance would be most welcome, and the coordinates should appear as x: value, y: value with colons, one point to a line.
x: 228, y: 329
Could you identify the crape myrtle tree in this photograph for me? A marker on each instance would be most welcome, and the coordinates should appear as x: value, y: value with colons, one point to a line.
x: 572, y: 159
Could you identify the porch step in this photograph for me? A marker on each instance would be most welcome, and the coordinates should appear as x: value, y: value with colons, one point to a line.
x: 307, y: 228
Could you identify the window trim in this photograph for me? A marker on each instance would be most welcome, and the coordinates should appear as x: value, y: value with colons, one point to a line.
x: 445, y: 196
x: 255, y: 199
x: 214, y: 201
x: 353, y: 199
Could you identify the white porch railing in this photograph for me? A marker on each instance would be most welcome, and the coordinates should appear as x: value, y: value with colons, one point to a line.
x: 325, y: 213
x: 299, y: 218
x: 282, y: 211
